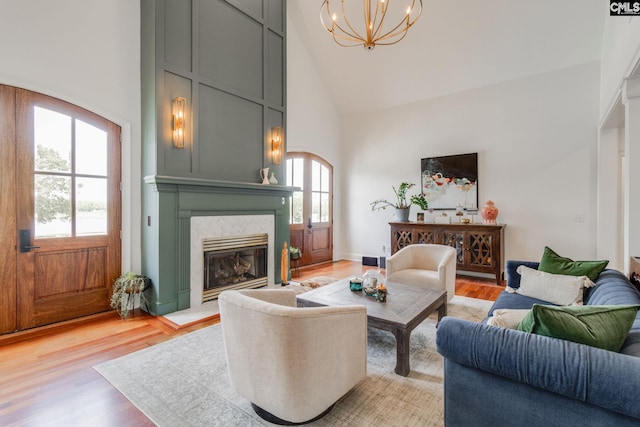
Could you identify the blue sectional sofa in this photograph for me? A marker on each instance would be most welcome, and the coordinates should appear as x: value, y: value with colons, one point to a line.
x: 504, y: 377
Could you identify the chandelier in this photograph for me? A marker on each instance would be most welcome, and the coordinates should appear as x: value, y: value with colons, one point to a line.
x: 377, y: 29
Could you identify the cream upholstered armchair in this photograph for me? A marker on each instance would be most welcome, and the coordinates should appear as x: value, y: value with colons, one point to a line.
x: 431, y: 266
x: 291, y: 363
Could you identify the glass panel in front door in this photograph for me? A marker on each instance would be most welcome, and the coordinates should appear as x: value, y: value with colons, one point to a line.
x: 91, y: 179
x: 91, y: 206
x: 70, y: 176
x: 295, y: 178
x: 319, y: 192
x: 52, y: 181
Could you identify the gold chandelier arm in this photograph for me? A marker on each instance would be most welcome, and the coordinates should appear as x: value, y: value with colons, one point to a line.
x: 357, y: 42
x: 341, y: 33
x: 345, y: 34
x: 354, y: 33
x: 379, y: 42
x: 405, y: 23
x: 393, y: 33
x: 374, y: 35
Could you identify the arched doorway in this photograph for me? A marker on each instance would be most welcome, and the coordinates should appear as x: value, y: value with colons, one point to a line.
x: 311, y: 218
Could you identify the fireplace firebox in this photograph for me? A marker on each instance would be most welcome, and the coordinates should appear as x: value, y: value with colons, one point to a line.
x: 235, y: 262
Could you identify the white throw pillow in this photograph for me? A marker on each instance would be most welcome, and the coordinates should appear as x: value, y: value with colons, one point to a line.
x: 507, y: 317
x: 554, y: 288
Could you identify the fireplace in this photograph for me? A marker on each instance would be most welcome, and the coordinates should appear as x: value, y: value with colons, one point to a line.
x: 235, y: 262
x: 228, y: 233
x: 192, y: 209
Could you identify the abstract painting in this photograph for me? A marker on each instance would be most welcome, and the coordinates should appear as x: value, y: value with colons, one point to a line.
x: 451, y: 182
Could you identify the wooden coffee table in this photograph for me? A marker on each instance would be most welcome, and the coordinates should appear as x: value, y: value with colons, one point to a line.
x: 406, y: 307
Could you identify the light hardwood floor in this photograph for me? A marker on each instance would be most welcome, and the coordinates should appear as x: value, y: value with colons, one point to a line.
x: 46, y: 375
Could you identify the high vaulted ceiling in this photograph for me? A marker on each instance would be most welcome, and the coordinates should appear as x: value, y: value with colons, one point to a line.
x: 454, y: 46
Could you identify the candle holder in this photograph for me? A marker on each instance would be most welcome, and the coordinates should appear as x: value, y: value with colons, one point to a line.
x: 355, y: 284
x: 370, y: 292
x: 381, y: 294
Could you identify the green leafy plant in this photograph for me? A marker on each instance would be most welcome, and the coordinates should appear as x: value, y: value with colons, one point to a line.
x: 125, y: 288
x: 294, y: 252
x: 401, y: 199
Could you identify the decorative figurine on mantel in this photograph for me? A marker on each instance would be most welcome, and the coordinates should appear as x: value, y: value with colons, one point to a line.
x: 264, y: 174
x: 272, y: 179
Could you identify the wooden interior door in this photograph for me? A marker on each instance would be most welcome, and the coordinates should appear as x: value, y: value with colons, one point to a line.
x: 311, y: 221
x: 68, y: 210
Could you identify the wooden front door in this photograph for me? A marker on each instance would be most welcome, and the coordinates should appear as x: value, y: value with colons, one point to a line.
x: 66, y: 233
x: 311, y: 222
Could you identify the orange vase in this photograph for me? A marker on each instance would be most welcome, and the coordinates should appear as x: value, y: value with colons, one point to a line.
x: 489, y: 213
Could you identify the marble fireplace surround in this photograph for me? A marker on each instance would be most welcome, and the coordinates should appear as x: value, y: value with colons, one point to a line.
x: 226, y: 226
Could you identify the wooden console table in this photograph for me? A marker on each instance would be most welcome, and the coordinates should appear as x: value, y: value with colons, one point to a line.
x: 479, y: 247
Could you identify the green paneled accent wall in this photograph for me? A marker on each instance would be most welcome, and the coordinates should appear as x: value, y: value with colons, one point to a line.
x: 232, y: 55
x: 240, y: 138
x: 227, y: 58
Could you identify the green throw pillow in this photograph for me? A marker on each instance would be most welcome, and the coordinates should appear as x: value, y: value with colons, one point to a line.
x: 602, y: 326
x: 553, y: 263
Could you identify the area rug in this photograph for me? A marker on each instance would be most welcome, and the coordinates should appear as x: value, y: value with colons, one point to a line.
x: 316, y: 282
x: 309, y: 284
x: 183, y: 382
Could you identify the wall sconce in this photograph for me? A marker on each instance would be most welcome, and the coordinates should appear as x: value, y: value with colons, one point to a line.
x: 276, y: 145
x: 179, y: 109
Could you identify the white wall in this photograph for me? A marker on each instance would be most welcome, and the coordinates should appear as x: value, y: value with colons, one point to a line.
x: 313, y: 123
x: 86, y: 52
x: 536, y: 143
x: 620, y: 52
x: 610, y: 206
x: 618, y: 143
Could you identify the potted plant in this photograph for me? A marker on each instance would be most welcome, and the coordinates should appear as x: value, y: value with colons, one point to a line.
x: 294, y: 253
x: 125, y: 289
x: 402, y: 205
